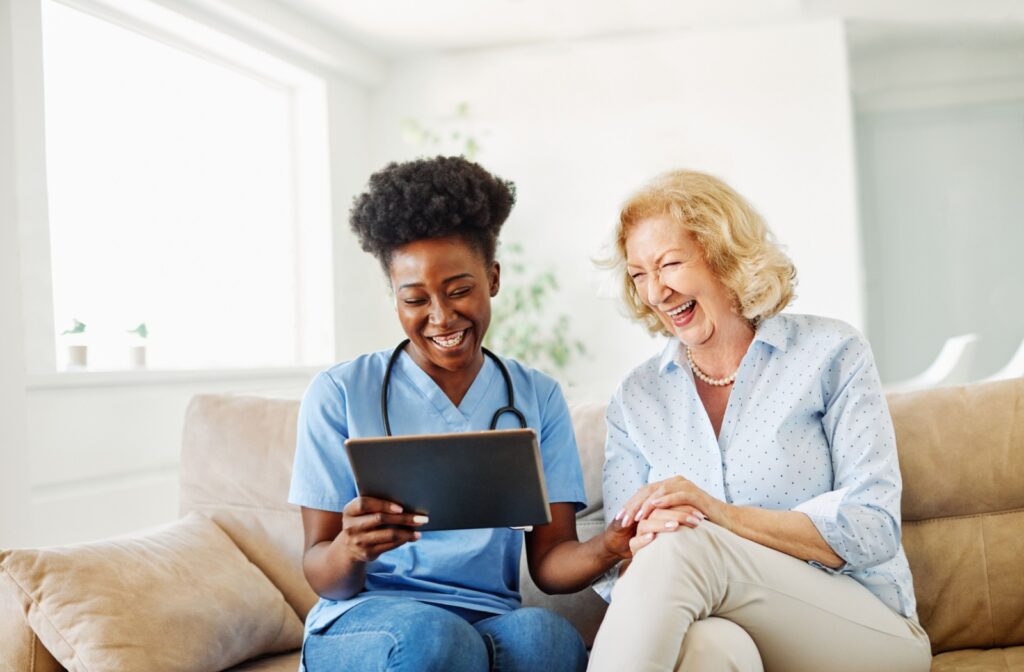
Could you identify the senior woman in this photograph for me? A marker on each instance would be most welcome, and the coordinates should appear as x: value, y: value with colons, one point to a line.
x: 756, y: 457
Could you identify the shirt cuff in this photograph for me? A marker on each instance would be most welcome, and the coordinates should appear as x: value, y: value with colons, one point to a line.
x: 603, y: 586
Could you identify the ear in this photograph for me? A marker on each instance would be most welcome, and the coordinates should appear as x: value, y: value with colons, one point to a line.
x: 494, y: 278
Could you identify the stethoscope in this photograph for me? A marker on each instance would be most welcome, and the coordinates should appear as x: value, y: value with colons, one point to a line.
x: 510, y: 408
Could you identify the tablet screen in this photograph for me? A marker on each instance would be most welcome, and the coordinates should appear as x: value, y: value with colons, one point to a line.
x: 461, y: 481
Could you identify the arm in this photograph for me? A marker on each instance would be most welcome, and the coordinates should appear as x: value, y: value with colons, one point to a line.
x: 340, y: 545
x: 790, y: 532
x: 860, y: 519
x: 560, y: 563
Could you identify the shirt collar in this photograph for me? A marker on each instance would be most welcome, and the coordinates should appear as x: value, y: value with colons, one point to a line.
x: 773, y: 331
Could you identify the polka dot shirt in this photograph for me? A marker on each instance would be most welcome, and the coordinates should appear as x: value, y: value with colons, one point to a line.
x: 806, y: 428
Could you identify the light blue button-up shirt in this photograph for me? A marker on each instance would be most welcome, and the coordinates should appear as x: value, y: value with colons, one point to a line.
x: 470, y: 569
x: 806, y: 428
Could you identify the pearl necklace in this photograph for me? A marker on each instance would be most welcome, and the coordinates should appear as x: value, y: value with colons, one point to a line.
x: 714, y: 382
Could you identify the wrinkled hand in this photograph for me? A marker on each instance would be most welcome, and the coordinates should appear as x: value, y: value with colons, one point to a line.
x: 666, y: 506
x: 373, y: 526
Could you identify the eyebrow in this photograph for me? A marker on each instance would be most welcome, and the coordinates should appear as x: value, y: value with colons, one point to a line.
x: 660, y: 257
x: 460, y: 276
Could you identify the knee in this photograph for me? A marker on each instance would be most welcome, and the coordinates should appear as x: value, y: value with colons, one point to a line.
x: 440, y: 643
x: 535, y: 638
x: 718, y: 644
x: 686, y: 545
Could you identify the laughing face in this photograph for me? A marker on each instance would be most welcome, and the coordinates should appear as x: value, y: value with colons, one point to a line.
x: 673, y: 279
x: 443, y: 289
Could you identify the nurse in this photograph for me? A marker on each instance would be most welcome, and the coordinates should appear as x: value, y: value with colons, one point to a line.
x: 392, y: 597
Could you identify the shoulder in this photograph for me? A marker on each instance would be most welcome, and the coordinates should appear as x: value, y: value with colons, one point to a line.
x: 817, y: 335
x: 356, y: 372
x: 334, y: 383
x: 648, y: 371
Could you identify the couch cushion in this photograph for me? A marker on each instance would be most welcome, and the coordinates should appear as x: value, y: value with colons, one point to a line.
x: 589, y: 424
x: 236, y: 465
x: 180, y: 598
x: 980, y: 660
x: 287, y: 662
x: 961, y: 453
x: 20, y: 648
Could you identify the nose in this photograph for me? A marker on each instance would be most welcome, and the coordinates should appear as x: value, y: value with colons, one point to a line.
x: 440, y: 312
x: 657, y: 291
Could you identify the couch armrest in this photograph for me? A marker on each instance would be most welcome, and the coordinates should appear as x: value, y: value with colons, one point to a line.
x: 21, y: 649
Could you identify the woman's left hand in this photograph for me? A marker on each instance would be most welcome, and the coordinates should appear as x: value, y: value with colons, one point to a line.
x: 673, y: 493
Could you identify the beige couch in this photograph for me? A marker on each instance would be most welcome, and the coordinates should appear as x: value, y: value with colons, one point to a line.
x: 961, y: 450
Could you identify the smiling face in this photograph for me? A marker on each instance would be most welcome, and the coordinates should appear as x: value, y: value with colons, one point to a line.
x: 443, y: 289
x: 671, y: 277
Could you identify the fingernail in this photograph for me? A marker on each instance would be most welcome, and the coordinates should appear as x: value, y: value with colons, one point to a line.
x: 416, y: 535
x: 702, y: 516
x: 650, y: 536
x: 395, y: 508
x: 419, y: 520
x: 693, y: 520
x: 672, y: 524
x: 638, y: 515
x: 619, y: 514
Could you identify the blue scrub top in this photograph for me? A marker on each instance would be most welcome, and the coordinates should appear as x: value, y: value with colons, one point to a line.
x: 469, y: 569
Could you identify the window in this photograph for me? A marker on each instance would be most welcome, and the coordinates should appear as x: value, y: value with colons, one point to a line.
x: 188, y: 190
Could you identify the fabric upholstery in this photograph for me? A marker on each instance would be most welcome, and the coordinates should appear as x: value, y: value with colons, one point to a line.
x: 285, y: 662
x: 980, y: 660
x: 961, y: 449
x: 180, y: 598
x: 962, y: 456
x: 20, y: 648
x: 589, y: 424
x: 236, y: 465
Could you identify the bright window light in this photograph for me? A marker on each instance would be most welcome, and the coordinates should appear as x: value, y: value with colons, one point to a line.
x: 175, y: 201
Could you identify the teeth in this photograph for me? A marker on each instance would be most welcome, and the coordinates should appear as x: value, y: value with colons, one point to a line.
x: 686, y: 306
x: 450, y: 341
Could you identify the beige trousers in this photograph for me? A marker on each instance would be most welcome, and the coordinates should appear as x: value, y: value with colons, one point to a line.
x: 706, y: 599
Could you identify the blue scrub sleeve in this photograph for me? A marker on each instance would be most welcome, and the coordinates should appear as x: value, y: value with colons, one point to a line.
x: 562, y: 471
x: 321, y: 475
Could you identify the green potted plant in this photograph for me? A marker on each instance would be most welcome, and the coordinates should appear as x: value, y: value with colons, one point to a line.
x: 77, y: 349
x: 137, y: 349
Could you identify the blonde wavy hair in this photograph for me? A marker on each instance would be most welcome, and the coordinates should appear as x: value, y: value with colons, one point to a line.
x: 738, y: 246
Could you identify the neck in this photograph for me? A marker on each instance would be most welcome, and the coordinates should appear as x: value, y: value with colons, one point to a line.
x: 454, y: 383
x: 721, y: 354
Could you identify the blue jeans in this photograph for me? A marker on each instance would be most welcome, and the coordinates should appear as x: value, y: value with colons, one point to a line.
x: 400, y: 634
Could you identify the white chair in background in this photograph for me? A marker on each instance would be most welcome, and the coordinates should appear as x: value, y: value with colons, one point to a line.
x: 1013, y: 369
x: 951, y: 367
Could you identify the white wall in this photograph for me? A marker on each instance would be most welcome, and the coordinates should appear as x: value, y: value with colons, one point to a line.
x: 14, y: 452
x: 579, y: 125
x: 89, y: 455
x: 941, y: 148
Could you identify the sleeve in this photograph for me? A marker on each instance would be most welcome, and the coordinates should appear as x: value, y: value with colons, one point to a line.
x: 321, y: 475
x: 625, y: 472
x: 860, y: 517
x: 563, y: 474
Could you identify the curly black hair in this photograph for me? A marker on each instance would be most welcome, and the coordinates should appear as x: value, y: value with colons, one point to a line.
x: 431, y: 198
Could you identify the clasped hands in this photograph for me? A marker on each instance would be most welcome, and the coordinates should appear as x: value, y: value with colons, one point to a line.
x: 662, y: 507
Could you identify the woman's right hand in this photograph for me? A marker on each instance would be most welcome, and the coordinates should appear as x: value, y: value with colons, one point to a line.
x: 373, y: 526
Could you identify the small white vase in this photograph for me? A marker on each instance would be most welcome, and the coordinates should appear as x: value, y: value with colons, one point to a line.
x: 137, y: 356
x: 78, y: 356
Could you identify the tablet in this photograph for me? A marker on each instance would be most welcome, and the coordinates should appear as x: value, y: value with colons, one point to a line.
x: 461, y: 481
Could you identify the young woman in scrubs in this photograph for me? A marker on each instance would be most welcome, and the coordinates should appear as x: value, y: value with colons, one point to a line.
x: 394, y: 598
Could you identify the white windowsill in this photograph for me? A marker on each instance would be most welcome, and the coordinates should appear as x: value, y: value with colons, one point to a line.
x: 145, y: 377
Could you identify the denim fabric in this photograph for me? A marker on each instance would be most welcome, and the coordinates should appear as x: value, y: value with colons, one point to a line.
x: 404, y: 635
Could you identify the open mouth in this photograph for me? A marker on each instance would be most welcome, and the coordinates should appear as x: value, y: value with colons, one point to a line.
x: 682, y: 311
x: 450, y: 341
